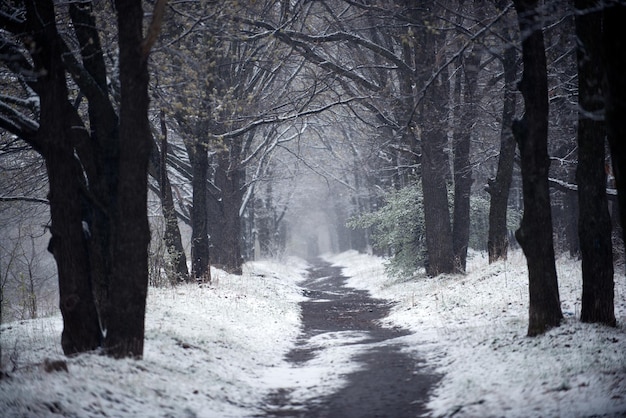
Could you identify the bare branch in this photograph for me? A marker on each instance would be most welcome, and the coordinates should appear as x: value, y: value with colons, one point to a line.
x: 235, y: 133
x: 566, y: 187
x: 24, y: 199
x: 154, y: 29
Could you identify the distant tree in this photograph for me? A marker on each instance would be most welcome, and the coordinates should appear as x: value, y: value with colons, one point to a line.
x: 594, y: 223
x: 228, y: 91
x: 172, y: 236
x: 200, y: 253
x: 531, y: 134
x: 400, y: 80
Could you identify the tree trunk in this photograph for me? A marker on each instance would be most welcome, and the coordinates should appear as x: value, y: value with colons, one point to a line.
x: 571, y: 233
x: 129, y: 281
x: 172, y: 238
x: 498, y: 188
x: 81, y: 329
x: 434, y: 160
x: 594, y: 224
x: 614, y: 44
x: 531, y: 134
x: 462, y: 165
x: 226, y: 225
x: 199, y: 228
x: 436, y: 206
x: 97, y: 177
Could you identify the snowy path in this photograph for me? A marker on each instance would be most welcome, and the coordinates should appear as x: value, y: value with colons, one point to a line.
x: 379, y: 377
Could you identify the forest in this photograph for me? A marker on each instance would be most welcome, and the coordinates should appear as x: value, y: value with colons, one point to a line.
x: 142, y: 142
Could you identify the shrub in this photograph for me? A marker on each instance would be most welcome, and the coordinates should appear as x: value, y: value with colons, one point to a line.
x: 397, y: 228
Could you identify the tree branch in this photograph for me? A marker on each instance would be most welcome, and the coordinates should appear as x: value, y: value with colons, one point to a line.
x: 24, y: 199
x: 235, y: 133
x: 566, y: 187
x: 154, y: 29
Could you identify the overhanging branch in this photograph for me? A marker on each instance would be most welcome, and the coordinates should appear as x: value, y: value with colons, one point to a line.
x: 24, y: 199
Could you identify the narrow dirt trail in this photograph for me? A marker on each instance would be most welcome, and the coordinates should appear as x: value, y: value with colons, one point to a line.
x: 387, y: 382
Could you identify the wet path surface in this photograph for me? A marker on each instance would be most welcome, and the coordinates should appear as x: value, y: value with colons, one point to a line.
x: 387, y: 383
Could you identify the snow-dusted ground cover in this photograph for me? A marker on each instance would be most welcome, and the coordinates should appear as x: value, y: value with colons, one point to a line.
x: 472, y: 328
x: 213, y: 351
x: 217, y: 351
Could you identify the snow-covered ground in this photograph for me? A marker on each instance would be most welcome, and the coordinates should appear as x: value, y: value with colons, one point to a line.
x: 208, y: 353
x: 473, y: 329
x: 217, y: 351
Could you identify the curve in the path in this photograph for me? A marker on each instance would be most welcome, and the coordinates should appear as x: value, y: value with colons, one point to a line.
x: 388, y: 383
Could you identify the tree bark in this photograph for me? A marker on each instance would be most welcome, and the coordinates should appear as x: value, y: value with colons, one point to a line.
x: 499, y: 187
x: 172, y: 238
x: 81, y: 329
x: 97, y: 176
x: 436, y: 206
x: 614, y: 59
x: 462, y: 165
x: 594, y: 223
x: 129, y: 281
x: 531, y: 134
x: 434, y: 159
x: 225, y: 228
x: 199, y: 228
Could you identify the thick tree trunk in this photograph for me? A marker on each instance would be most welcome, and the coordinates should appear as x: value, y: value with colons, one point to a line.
x: 498, y: 241
x: 436, y: 206
x: 614, y: 44
x: 434, y: 159
x: 225, y: 228
x: 531, y: 134
x: 594, y: 223
x: 81, y: 329
x: 129, y: 281
x: 100, y: 232
x: 103, y: 177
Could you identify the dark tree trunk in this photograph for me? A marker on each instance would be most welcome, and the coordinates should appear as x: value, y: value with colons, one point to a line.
x: 614, y: 44
x: 81, y: 329
x: 594, y: 223
x: 199, y: 228
x: 436, y: 206
x: 531, y: 134
x: 172, y: 238
x: 434, y: 160
x: 129, y: 281
x: 104, y: 177
x: 571, y: 232
x: 225, y: 220
x: 498, y: 188
x: 97, y: 177
x: 462, y: 165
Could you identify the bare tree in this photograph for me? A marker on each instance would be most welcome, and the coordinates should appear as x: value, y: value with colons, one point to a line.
x: 499, y: 186
x: 594, y: 221
x: 531, y: 134
x: 97, y: 176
